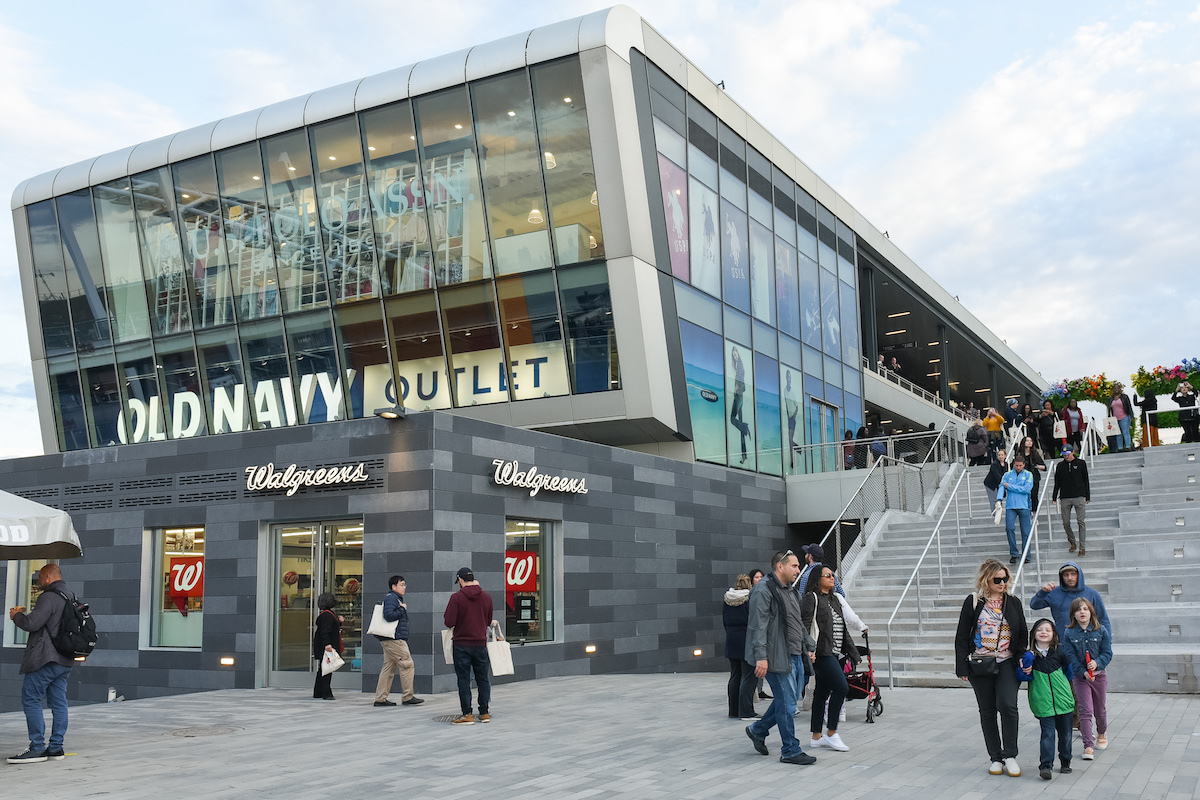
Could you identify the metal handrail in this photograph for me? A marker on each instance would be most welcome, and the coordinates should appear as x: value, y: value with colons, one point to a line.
x: 916, y: 573
x: 1034, y: 542
x: 906, y: 384
x: 804, y: 451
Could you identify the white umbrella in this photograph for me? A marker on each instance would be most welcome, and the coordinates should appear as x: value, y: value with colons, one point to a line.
x: 32, y: 530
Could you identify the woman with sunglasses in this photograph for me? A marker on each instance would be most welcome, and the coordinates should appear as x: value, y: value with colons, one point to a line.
x: 833, y: 640
x: 991, y: 639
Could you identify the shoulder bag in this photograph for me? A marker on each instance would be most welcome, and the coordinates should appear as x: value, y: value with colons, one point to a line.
x: 380, y: 626
x: 982, y: 666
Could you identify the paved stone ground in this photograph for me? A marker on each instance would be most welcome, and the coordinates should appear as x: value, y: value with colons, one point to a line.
x: 635, y: 736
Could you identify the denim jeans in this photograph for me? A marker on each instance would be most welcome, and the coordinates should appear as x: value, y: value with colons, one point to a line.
x: 466, y: 661
x: 50, y: 682
x: 1011, y: 515
x: 1124, y: 441
x: 782, y: 711
x: 1061, y: 725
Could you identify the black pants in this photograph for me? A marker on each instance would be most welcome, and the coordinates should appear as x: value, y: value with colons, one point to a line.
x: 1191, y: 429
x: 467, y: 660
x: 997, y: 694
x: 980, y: 461
x: 1075, y: 440
x: 741, y: 688
x: 321, y: 687
x: 831, y: 685
x: 1061, y: 725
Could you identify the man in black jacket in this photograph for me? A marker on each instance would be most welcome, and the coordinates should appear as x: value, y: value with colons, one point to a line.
x: 45, y: 669
x: 1072, y: 486
x: 395, y: 651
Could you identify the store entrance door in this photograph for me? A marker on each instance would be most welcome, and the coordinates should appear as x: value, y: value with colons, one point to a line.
x: 310, y: 559
x: 823, y: 429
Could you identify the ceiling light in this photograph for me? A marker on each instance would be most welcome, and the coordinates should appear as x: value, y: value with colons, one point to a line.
x: 535, y: 217
x: 187, y: 197
x: 291, y: 169
x: 458, y: 127
x: 391, y: 412
x: 550, y: 162
x: 981, y: 391
x: 256, y: 177
x: 566, y: 99
x: 333, y: 158
x: 935, y: 361
x: 885, y: 422
x: 372, y: 149
x: 896, y: 333
x: 595, y: 199
x: 933, y: 375
x: 413, y: 138
x: 900, y: 314
x: 934, y: 344
x: 592, y: 243
x: 512, y: 113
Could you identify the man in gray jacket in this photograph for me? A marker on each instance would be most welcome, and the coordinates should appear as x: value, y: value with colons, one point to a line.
x: 45, y: 669
x: 775, y: 645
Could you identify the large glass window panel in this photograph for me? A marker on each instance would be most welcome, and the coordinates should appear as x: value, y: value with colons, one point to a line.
x: 397, y: 199
x: 294, y: 222
x: 169, y: 285
x: 787, y: 287
x: 826, y: 239
x: 122, y: 261
x: 177, y: 597
x: 813, y: 362
x: 561, y: 112
x: 762, y: 272
x: 51, y: 276
x: 833, y: 372
x: 417, y: 352
x: 849, y: 309
x: 704, y: 216
x: 225, y: 397
x: 81, y: 253
x: 830, y: 313
x: 810, y: 302
x: 793, y: 420
x: 739, y: 394
x: 70, y: 420
x: 704, y: 368
x: 473, y: 338
x: 806, y: 223
x: 270, y: 390
x: 852, y: 379
x: 362, y: 340
x: 766, y: 394
x: 248, y: 232
x: 845, y: 248
x: 452, y: 196
x: 698, y: 307
x: 735, y: 256
x: 320, y: 383
x: 141, y: 403
x: 702, y: 167
x: 345, y: 211
x: 591, y: 335
x: 203, y: 241
x: 528, y: 586
x: 533, y: 336
x: 511, y: 164
x: 674, y: 181
x: 102, y: 399
x: 180, y: 381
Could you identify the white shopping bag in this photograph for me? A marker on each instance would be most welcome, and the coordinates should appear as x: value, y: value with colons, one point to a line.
x: 331, y: 662
x: 499, y: 652
x: 448, y: 645
x: 1060, y: 429
x: 380, y: 626
x: 1112, y: 427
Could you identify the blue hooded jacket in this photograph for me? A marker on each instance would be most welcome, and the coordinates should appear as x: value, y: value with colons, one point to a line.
x: 1059, y: 600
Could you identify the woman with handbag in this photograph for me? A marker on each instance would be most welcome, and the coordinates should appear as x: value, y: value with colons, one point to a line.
x: 991, y: 639
x: 327, y: 637
x: 1051, y: 446
x: 824, y: 617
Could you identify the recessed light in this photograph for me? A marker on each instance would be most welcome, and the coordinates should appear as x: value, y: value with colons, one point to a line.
x: 413, y: 138
x: 256, y: 178
x: 458, y: 127
x: 226, y: 661
x: 291, y: 169
x: 900, y: 314
x: 935, y: 361
x: 591, y: 648
x: 896, y: 333
x: 566, y: 99
x: 697, y: 652
x: 934, y: 344
x: 187, y: 197
x: 372, y: 149
x: 981, y: 391
x: 933, y: 374
x: 512, y: 113
x: 333, y: 158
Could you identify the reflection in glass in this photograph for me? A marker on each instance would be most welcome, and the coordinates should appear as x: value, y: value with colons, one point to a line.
x: 141, y: 405
x: 850, y: 352
x: 739, y: 379
x: 829, y: 315
x: 512, y: 173
x: 51, y: 276
x: 591, y: 336
x: 362, y: 341
x: 735, y: 256
x: 272, y: 401
x: 417, y: 351
x: 571, y: 185
x: 345, y: 211
x: 103, y: 399
x: 766, y: 394
x: 294, y: 239
x: 673, y: 179
x: 180, y: 380
x: 320, y: 385
x: 806, y: 223
x: 168, y: 284
x: 704, y: 367
x: 529, y: 318
x: 203, y: 247
x: 122, y: 263
x: 793, y: 423
x: 81, y: 252
x: 224, y: 389
x: 397, y: 199
x: 70, y: 422
x: 762, y: 272
x: 706, y: 246
x: 473, y: 336
x: 247, y: 232
x: 452, y: 195
x: 787, y: 287
x: 810, y: 302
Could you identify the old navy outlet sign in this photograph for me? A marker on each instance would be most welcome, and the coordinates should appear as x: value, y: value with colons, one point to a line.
x: 509, y: 473
x: 533, y: 370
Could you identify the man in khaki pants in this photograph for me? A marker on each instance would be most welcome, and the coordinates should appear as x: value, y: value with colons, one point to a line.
x: 395, y: 651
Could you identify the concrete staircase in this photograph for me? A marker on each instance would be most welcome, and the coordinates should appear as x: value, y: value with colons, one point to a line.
x: 1134, y: 560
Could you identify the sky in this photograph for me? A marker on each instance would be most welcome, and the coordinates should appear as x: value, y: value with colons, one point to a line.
x: 1039, y: 160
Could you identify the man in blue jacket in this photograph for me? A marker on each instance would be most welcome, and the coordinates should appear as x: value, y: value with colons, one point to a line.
x: 1015, y: 488
x: 395, y: 651
x: 1059, y: 598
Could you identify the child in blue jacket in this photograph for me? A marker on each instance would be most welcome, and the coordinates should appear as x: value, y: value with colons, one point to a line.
x: 1089, y: 646
x: 1048, y: 669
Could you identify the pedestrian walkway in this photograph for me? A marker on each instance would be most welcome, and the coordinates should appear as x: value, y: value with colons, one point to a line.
x: 612, y: 736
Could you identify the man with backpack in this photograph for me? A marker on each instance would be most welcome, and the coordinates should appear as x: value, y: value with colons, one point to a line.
x: 46, y: 670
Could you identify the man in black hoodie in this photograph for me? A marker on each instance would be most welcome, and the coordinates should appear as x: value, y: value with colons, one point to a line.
x: 469, y: 613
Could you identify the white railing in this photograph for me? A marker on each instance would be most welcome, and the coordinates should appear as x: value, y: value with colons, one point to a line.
x: 1016, y: 587
x: 904, y: 383
x: 906, y: 447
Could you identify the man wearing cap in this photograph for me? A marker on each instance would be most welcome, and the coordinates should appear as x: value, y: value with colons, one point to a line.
x: 469, y: 614
x: 1014, y: 491
x: 1073, y: 491
x: 814, y: 554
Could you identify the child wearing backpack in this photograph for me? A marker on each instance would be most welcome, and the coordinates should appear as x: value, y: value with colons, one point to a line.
x: 1089, y: 646
x: 1048, y: 669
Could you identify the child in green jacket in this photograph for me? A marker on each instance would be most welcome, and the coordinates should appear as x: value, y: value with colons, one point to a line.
x: 1048, y: 669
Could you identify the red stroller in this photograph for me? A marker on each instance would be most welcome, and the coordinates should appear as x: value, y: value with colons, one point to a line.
x: 862, y: 685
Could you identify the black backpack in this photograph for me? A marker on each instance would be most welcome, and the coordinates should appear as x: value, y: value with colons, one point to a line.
x: 76, y: 636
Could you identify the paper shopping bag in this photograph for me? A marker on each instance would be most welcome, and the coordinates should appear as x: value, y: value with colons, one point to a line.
x: 448, y: 645
x: 1060, y: 429
x: 331, y: 662
x: 380, y: 626
x: 499, y: 654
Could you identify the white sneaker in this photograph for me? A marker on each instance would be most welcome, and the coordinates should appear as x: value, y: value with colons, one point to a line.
x: 996, y: 768
x: 1010, y: 764
x: 834, y: 742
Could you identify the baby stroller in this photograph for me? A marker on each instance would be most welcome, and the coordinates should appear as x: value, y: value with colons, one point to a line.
x: 862, y: 685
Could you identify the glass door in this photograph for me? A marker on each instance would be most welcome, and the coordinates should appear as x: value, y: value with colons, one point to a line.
x: 313, y: 558
x: 823, y: 428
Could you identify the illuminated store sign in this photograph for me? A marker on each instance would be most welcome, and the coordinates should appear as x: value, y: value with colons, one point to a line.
x: 292, y: 478
x: 509, y: 473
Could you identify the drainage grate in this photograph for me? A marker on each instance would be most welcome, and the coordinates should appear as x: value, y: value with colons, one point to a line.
x: 446, y: 718
x: 212, y: 730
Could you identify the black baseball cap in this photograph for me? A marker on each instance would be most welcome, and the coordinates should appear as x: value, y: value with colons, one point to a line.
x: 814, y: 550
x: 466, y: 574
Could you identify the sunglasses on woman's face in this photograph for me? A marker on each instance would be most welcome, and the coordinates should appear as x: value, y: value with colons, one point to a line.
x: 999, y: 581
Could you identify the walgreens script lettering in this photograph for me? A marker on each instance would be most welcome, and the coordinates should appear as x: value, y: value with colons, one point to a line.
x: 292, y: 478
x: 508, y: 473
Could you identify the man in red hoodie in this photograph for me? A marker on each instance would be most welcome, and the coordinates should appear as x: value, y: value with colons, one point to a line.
x: 469, y: 613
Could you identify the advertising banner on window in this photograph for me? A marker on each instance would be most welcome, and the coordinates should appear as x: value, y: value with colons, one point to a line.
x: 185, y: 579
x: 706, y: 245
x: 520, y: 574
x: 739, y: 380
x: 735, y: 256
x: 674, y: 188
x: 703, y: 365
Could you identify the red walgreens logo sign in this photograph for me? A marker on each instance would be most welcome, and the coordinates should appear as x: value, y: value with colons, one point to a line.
x: 185, y: 579
x: 520, y: 573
